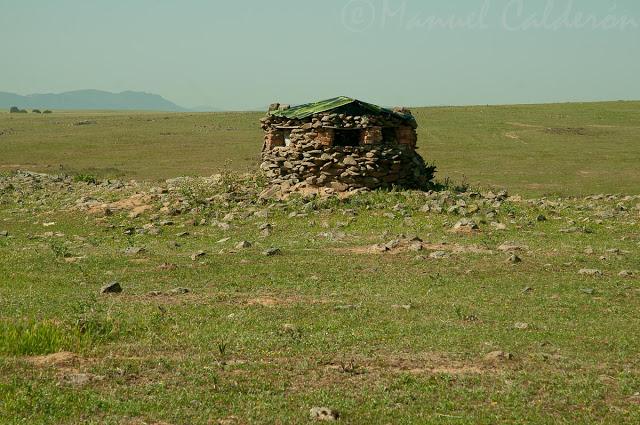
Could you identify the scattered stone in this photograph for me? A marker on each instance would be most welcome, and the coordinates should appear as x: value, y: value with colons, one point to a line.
x: 626, y: 273
x: 498, y: 226
x: 197, y: 255
x: 514, y: 259
x: 588, y: 250
x: 270, y: 252
x: 521, y: 325
x: 465, y: 226
x: 402, y: 306
x: 182, y: 234
x: 223, y: 240
x: 323, y: 414
x: 4, y: 233
x: 590, y: 272
x: 512, y: 246
x: 347, y: 307
x: 85, y: 122
x: 178, y: 291
x: 436, y: 255
x: 80, y: 379
x: 243, y: 245
x: 290, y: 328
x: 527, y: 289
x: 498, y: 356
x: 134, y: 250
x: 588, y: 291
x: 415, y: 246
x: 541, y: 218
x: 392, y: 244
x: 111, y: 288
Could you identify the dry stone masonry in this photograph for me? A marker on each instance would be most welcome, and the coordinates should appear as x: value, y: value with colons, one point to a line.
x: 343, y: 144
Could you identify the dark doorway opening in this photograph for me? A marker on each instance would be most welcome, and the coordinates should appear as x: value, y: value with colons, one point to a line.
x: 389, y: 136
x: 346, y: 138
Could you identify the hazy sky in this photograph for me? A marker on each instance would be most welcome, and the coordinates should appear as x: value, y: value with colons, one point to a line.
x: 242, y: 54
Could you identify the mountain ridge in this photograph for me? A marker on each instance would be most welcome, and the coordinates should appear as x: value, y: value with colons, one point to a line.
x: 91, y: 99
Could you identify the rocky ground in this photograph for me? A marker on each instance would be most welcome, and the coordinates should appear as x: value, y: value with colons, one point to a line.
x: 197, y: 300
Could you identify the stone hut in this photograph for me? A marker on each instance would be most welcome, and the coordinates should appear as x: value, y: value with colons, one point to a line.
x: 343, y: 144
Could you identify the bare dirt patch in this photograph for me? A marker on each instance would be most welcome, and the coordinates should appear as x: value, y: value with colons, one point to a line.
x: 420, y: 364
x: 136, y: 204
x: 276, y: 301
x: 63, y: 359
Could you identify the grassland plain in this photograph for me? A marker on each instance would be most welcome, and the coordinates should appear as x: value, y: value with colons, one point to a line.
x: 568, y: 149
x: 531, y: 318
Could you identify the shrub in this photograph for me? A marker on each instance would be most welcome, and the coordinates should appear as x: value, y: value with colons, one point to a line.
x: 87, y: 178
x: 16, y: 110
x: 46, y: 111
x: 36, y: 111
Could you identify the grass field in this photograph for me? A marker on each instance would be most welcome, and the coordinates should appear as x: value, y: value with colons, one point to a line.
x: 563, y: 149
x: 375, y: 307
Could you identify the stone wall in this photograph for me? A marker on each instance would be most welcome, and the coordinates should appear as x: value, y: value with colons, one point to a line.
x: 346, y: 168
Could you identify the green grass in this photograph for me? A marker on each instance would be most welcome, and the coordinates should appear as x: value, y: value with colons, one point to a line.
x: 222, y: 351
x: 382, y: 338
x: 34, y: 338
x: 567, y: 149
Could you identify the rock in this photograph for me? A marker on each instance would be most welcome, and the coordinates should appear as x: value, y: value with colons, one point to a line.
x: 271, y: 252
x: 438, y: 255
x: 465, y: 226
x: 349, y: 160
x: 4, y: 233
x: 626, y: 273
x: 290, y: 328
x: 512, y: 246
x: 134, y: 250
x: 521, y: 325
x: 243, y: 245
x: 111, y: 288
x: 415, y: 246
x: 197, y: 255
x: 265, y: 232
x: 498, y: 226
x: 80, y: 379
x: 541, y: 218
x: 392, y: 244
x: 323, y: 414
x: 401, y: 306
x: 590, y: 272
x: 178, y: 291
x: 498, y: 356
x: 182, y: 234
x: 514, y: 259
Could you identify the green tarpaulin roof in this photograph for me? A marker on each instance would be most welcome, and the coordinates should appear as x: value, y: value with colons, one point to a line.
x: 308, y: 109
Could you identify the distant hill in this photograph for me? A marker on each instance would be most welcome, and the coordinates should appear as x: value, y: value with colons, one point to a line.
x: 90, y: 99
